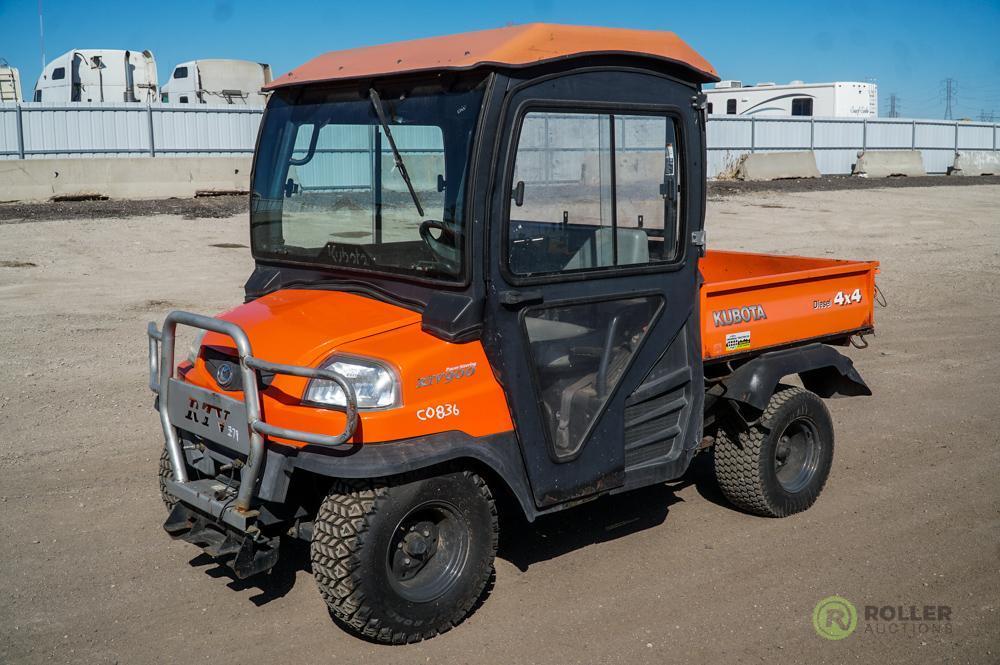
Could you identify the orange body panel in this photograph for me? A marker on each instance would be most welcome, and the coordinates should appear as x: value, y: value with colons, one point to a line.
x: 514, y: 46
x: 304, y: 327
x: 759, y: 300
x: 751, y: 302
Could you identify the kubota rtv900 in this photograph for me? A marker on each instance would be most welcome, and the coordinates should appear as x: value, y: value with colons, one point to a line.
x: 481, y: 270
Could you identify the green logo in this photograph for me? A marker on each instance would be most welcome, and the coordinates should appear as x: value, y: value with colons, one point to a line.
x: 835, y: 618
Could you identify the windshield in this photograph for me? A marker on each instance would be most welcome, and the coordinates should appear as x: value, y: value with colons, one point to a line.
x: 329, y: 188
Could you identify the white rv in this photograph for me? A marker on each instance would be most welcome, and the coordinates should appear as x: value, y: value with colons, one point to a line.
x: 10, y: 83
x: 835, y: 100
x: 99, y: 75
x: 217, y: 82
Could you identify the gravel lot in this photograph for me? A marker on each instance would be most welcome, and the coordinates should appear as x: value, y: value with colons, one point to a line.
x: 910, y: 516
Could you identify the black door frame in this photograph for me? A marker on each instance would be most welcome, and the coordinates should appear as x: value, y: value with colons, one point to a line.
x: 600, y: 464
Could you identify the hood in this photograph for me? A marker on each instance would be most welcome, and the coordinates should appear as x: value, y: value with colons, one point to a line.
x: 301, y: 327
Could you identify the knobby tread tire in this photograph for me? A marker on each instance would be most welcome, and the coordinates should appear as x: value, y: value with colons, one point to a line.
x: 166, y: 473
x: 343, y: 523
x: 739, y: 467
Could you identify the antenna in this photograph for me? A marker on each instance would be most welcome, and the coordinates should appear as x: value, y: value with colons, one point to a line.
x: 41, y: 34
x: 950, y: 95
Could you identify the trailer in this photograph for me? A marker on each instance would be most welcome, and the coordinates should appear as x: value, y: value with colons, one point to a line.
x: 498, y: 324
x: 99, y: 75
x: 238, y: 82
x: 841, y: 99
x: 10, y: 83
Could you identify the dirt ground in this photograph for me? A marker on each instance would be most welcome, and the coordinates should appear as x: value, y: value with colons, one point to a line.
x: 910, y: 516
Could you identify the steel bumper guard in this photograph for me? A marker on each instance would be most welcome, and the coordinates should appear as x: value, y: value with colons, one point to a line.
x: 230, y: 422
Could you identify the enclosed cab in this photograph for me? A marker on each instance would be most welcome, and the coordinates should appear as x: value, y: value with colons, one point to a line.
x: 10, y: 83
x: 481, y: 284
x: 238, y: 82
x: 99, y: 75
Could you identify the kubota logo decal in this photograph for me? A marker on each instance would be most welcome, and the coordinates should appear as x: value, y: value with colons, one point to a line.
x: 734, y: 315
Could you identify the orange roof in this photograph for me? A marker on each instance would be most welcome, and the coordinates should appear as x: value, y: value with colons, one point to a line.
x: 514, y: 46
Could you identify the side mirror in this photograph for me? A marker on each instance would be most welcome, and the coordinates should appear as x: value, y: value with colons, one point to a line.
x: 291, y: 187
x: 518, y: 193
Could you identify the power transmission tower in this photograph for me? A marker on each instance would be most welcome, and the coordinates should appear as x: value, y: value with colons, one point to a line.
x: 895, y: 104
x: 986, y: 116
x: 950, y: 96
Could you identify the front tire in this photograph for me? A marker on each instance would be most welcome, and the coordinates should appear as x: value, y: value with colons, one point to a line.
x: 779, y: 465
x: 403, y: 559
x: 166, y: 473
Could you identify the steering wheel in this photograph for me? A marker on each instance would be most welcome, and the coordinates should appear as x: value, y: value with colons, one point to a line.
x: 448, y: 253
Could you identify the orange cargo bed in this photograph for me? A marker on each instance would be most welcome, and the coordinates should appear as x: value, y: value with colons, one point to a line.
x: 751, y: 302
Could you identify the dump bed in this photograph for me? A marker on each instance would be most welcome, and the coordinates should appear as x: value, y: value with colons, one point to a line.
x: 751, y: 302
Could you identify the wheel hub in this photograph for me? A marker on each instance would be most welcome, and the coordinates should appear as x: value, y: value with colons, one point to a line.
x: 428, y: 552
x: 796, y: 455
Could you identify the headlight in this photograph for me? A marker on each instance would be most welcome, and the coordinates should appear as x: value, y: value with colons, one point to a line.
x: 375, y: 384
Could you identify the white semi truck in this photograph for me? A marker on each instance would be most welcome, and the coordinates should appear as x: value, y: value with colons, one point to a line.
x: 217, y: 82
x: 99, y: 75
x: 841, y: 99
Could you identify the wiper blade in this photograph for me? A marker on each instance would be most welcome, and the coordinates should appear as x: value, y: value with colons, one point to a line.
x: 380, y: 112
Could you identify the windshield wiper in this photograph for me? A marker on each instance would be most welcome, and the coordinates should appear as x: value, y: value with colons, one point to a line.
x: 380, y: 112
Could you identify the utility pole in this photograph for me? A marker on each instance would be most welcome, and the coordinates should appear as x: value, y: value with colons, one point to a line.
x: 950, y: 95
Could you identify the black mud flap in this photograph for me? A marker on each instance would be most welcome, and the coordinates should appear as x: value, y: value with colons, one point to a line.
x: 244, y: 553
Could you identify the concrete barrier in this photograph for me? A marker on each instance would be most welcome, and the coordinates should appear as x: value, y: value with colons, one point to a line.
x: 976, y: 162
x: 777, y: 166
x: 886, y: 163
x: 121, y: 178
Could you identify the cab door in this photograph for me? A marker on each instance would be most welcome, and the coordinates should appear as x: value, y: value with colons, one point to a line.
x: 592, y: 321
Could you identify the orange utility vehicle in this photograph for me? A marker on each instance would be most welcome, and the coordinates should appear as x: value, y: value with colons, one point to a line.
x: 481, y: 272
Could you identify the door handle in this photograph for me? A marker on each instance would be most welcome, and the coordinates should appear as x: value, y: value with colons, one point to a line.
x: 520, y: 298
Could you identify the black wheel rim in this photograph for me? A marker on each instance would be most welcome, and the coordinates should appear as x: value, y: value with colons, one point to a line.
x: 428, y: 551
x: 796, y: 455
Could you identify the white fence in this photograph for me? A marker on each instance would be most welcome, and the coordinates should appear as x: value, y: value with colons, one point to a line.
x: 46, y: 130
x: 836, y: 141
x: 51, y: 130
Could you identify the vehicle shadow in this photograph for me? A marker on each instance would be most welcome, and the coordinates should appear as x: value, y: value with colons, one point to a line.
x: 608, y: 518
x: 271, y: 585
x: 521, y: 543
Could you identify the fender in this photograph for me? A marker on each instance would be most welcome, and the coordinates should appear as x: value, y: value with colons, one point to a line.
x: 823, y: 370
x: 499, y: 452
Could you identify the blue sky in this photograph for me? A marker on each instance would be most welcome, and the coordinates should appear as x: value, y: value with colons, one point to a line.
x: 908, y: 47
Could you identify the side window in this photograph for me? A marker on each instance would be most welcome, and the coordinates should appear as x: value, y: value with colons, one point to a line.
x: 59, y: 73
x: 593, y: 191
x: 181, y: 73
x: 802, y: 106
x: 182, y: 99
x: 38, y: 95
x: 711, y: 108
x: 731, y: 107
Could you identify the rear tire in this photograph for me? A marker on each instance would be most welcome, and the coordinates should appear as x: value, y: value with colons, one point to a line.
x: 166, y: 473
x: 779, y: 465
x: 403, y: 559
